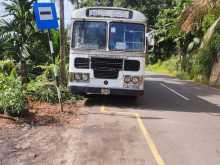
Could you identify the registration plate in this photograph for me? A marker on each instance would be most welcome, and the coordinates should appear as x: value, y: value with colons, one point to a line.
x: 105, y: 91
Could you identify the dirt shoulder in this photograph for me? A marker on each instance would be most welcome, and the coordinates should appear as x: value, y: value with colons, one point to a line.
x: 44, y: 136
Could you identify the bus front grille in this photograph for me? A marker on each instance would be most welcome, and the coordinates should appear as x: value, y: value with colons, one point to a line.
x: 105, y: 68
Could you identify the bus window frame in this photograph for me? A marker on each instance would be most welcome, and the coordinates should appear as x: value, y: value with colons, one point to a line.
x: 144, y: 50
x: 83, y: 20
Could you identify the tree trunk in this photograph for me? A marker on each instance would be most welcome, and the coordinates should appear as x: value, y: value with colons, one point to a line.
x: 62, y: 44
x: 23, y: 71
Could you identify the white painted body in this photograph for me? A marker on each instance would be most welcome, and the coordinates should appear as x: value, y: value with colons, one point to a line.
x: 80, y: 15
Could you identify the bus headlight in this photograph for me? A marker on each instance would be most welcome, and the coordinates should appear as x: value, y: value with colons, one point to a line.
x: 85, y: 77
x: 80, y: 77
x: 135, y: 80
x: 127, y: 79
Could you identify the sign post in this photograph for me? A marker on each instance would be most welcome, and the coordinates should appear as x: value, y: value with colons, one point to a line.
x: 46, y: 19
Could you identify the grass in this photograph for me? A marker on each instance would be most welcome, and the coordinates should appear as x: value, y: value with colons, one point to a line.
x: 168, y: 67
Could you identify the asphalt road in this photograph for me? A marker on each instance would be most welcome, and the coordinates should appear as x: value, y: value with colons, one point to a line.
x: 175, y: 123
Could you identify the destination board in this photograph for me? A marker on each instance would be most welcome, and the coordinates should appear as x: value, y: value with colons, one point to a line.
x: 110, y: 13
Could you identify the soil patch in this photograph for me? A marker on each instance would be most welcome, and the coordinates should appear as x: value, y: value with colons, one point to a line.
x: 44, y: 136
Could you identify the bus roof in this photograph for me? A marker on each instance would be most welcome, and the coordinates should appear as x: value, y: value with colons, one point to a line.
x: 109, y: 13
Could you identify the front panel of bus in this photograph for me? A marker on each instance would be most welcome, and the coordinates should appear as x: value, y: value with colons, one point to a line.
x: 107, y: 57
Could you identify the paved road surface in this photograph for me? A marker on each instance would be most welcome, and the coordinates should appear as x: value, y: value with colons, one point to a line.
x: 175, y: 123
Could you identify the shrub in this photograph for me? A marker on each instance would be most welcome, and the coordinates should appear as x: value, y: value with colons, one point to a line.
x: 48, y: 72
x: 205, y: 58
x: 47, y: 92
x: 6, y: 67
x: 12, y: 98
x: 40, y: 91
x: 169, y: 66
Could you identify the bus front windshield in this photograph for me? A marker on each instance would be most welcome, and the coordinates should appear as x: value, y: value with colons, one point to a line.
x: 127, y: 37
x: 89, y: 35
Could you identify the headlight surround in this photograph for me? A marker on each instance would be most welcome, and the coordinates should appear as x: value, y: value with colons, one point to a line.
x: 133, y: 82
x: 131, y: 79
x: 79, y: 77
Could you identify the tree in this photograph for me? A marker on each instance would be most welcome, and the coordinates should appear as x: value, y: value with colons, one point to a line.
x: 110, y: 3
x: 21, y: 42
x: 18, y: 29
x: 193, y: 14
x: 75, y: 2
x: 150, y: 8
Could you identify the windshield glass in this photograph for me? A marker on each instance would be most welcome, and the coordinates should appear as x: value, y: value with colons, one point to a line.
x: 89, y: 35
x: 127, y: 37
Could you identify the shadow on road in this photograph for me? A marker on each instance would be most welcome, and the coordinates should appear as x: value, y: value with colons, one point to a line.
x: 161, y: 99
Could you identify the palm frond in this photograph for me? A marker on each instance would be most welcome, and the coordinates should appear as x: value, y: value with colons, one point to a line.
x: 193, y: 14
x: 210, y: 32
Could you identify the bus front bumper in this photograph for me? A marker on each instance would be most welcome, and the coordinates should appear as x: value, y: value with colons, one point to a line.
x: 105, y: 91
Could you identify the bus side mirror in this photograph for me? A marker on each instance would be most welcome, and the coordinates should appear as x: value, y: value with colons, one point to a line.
x: 150, y: 39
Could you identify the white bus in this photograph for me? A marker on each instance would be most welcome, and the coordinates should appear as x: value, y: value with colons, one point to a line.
x: 107, y: 54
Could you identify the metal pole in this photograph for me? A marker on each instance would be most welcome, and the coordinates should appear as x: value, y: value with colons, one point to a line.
x: 55, y: 70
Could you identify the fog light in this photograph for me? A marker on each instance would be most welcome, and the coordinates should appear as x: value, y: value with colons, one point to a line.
x: 85, y: 77
x: 135, y: 80
x: 127, y: 79
x: 78, y: 76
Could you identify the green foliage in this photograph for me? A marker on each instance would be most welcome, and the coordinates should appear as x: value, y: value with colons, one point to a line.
x: 169, y: 66
x: 7, y: 67
x: 150, y: 8
x: 208, y: 20
x: 20, y: 40
x: 12, y: 98
x: 48, y: 72
x: 44, y: 88
x: 47, y: 92
x: 40, y: 91
x: 205, y: 58
x: 183, y: 75
x: 168, y: 36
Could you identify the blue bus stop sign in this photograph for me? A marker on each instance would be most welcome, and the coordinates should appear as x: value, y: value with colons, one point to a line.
x: 45, y: 16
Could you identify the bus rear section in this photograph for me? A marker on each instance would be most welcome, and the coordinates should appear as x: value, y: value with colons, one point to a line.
x: 107, y: 55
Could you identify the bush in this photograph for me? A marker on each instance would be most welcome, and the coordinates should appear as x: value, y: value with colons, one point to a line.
x: 12, y: 98
x: 169, y: 66
x: 40, y: 91
x: 7, y: 67
x: 47, y: 92
x: 183, y: 75
x: 205, y: 58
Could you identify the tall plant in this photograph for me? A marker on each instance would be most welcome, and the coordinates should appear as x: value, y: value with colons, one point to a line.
x: 17, y: 28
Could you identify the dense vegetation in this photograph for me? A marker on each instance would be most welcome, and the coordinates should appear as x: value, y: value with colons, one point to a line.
x: 185, y: 30
x: 186, y: 33
x: 26, y: 69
